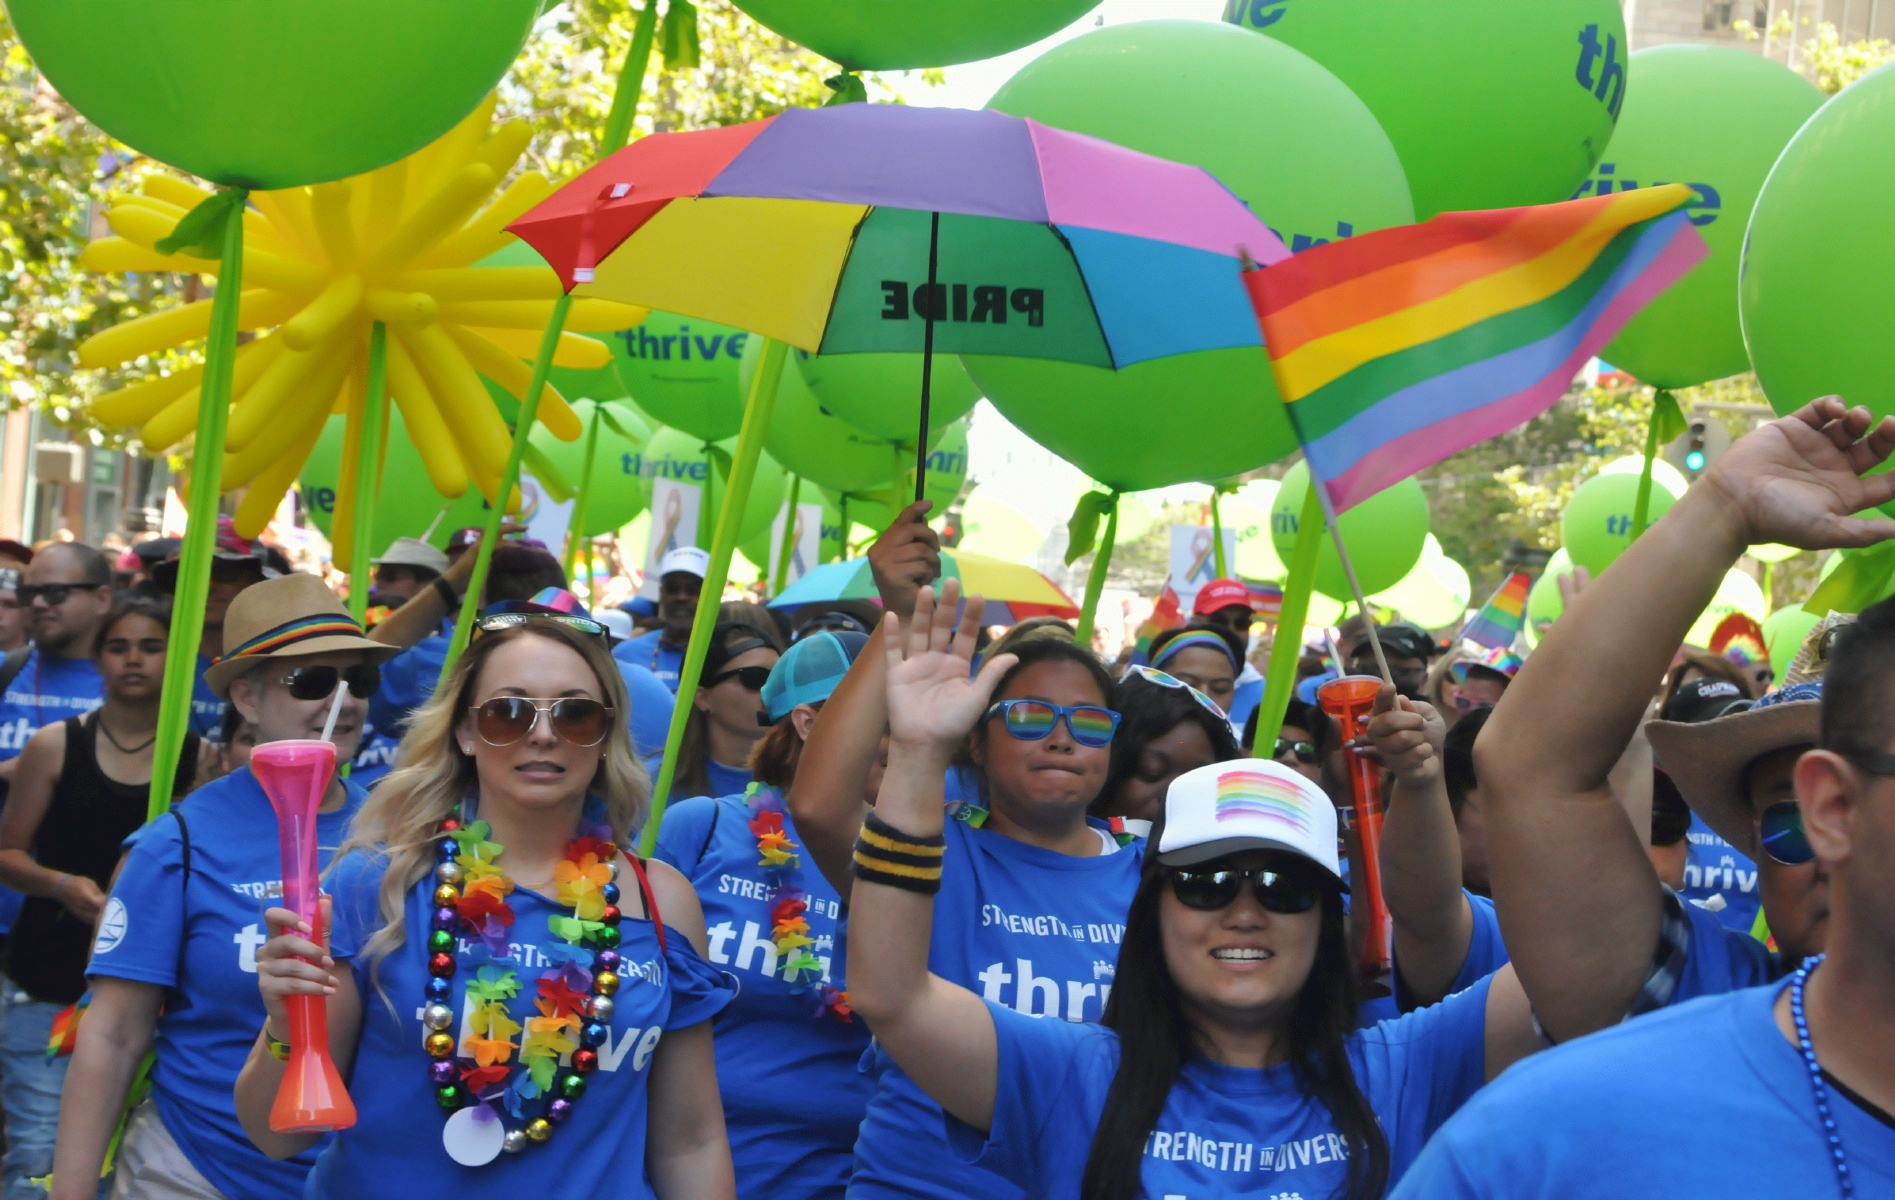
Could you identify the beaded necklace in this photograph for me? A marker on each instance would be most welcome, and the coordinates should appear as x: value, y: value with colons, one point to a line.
x: 1844, y: 1182
x: 782, y: 874
x: 574, y: 997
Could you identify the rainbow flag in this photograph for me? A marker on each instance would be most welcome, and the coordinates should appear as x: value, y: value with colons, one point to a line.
x: 1394, y: 349
x: 1499, y: 620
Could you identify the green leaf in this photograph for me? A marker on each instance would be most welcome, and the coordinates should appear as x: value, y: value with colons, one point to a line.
x: 1667, y: 418
x: 201, y: 231
x: 493, y: 984
x: 551, y: 477
x: 680, y: 36
x: 1863, y: 578
x: 1082, y: 528
x: 572, y: 929
x: 848, y: 88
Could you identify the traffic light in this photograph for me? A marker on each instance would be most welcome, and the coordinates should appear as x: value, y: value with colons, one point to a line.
x: 1704, y: 438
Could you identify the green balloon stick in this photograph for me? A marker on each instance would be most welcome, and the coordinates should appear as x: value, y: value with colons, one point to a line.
x: 1666, y: 423
x: 1095, y: 579
x: 1217, y: 538
x: 1287, y: 646
x: 784, y: 552
x: 576, y: 531
x: 200, y: 534
x: 368, y: 471
x: 743, y: 465
x: 618, y: 123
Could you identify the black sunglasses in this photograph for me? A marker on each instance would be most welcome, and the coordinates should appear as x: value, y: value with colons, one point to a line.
x: 1305, y: 751
x: 55, y: 594
x: 751, y: 678
x: 1210, y: 888
x: 319, y: 683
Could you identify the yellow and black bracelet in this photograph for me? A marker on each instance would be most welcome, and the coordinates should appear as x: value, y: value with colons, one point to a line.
x: 886, y: 855
x: 279, y: 1050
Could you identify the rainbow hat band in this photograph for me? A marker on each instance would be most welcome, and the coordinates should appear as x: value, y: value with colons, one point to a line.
x: 1187, y: 641
x: 275, y: 640
x: 1233, y: 807
x: 292, y: 615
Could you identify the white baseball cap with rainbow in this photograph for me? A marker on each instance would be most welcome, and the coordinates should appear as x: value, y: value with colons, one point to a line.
x: 1247, y: 804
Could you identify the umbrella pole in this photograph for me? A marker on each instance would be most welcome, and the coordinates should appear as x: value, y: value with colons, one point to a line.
x: 576, y: 532
x: 1217, y: 539
x: 784, y: 552
x: 509, y: 478
x: 368, y: 472
x: 1287, y: 646
x: 1095, y: 579
x: 200, y: 533
x: 743, y: 467
x: 927, y: 356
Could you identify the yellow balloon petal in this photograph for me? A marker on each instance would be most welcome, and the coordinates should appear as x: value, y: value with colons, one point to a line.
x: 488, y: 232
x: 515, y: 376
x: 452, y: 284
x: 141, y: 402
x: 439, y: 215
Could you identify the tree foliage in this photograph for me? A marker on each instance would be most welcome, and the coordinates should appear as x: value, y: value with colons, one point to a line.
x: 1831, y: 63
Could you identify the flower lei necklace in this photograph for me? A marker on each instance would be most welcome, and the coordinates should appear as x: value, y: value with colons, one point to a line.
x: 789, y: 902
x: 574, y: 996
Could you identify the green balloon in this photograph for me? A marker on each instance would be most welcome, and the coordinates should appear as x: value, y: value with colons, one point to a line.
x: 683, y: 372
x: 1544, y: 603
x: 613, y: 497
x: 899, y: 35
x: 947, y: 474
x: 1783, y: 633
x: 405, y: 503
x: 677, y: 455
x: 1817, y: 289
x: 810, y: 442
x: 1385, y: 534
x: 1597, y: 523
x: 1677, y: 128
x: 757, y: 549
x: 881, y: 393
x: 1490, y: 105
x: 274, y: 93
x: 1244, y: 108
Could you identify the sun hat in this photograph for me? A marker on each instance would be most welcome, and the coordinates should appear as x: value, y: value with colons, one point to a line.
x: 1500, y: 661
x: 412, y: 552
x: 809, y: 672
x: 689, y: 559
x: 1253, y: 804
x: 291, y: 616
x: 1708, y: 759
x: 1220, y: 594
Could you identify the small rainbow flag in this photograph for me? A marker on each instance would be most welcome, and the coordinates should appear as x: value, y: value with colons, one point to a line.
x: 1395, y: 349
x: 1253, y: 795
x: 1499, y: 620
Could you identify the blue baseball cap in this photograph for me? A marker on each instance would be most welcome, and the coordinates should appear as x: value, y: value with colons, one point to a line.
x: 809, y: 671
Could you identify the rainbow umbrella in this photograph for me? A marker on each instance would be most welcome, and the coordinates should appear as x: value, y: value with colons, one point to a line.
x: 1013, y: 592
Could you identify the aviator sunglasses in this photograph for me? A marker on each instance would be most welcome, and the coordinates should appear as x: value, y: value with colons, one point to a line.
x: 1033, y: 720
x: 498, y: 621
x: 1210, y: 888
x: 319, y: 683
x: 504, y: 720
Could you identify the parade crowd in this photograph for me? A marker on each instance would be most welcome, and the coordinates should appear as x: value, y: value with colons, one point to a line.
x: 942, y: 910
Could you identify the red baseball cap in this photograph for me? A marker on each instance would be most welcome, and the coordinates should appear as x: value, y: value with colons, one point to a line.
x: 1220, y: 594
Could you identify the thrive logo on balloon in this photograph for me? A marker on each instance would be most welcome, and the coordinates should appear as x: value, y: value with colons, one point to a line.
x: 1256, y: 14
x: 1606, y: 178
x: 1255, y: 796
x: 1601, y: 70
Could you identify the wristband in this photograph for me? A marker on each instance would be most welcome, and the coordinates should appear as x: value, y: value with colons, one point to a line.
x: 445, y: 591
x: 886, y: 855
x: 279, y: 1050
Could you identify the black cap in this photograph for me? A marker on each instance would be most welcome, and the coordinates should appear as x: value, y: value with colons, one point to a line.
x: 1705, y: 700
x: 1402, y: 640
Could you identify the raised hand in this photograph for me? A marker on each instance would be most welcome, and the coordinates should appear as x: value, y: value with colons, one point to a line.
x: 1798, y: 480
x: 906, y: 559
x: 932, y: 702
x: 1407, y: 736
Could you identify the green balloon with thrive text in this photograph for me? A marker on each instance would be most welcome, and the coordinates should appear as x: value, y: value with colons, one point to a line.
x: 901, y: 35
x: 1385, y: 534
x: 1597, y: 523
x: 1490, y: 103
x: 269, y: 94
x: 683, y: 372
x: 613, y: 496
x: 947, y: 474
x: 1677, y: 128
x: 1277, y: 129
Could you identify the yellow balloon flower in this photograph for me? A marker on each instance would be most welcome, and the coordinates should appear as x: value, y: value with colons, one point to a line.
x: 321, y: 264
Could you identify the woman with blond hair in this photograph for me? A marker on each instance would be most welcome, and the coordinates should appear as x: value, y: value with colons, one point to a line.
x: 498, y: 990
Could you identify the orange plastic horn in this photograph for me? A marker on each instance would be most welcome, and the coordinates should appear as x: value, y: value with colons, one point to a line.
x: 1349, y: 700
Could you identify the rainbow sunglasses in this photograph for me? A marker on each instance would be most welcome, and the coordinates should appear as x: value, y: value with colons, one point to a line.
x: 1034, y: 720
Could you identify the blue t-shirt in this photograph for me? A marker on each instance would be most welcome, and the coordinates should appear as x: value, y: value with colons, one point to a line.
x: 652, y: 702
x: 198, y: 938
x: 645, y: 651
x: 1720, y: 960
x: 786, y: 1061
x: 725, y: 781
x: 207, y: 711
x: 394, y: 1149
x: 1026, y: 928
x: 374, y: 760
x: 1715, y: 868
x: 1486, y: 951
x: 1242, y: 702
x: 1224, y: 1131
x: 1708, y: 1101
x: 45, y: 692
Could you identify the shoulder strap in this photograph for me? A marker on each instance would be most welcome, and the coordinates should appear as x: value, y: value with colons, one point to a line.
x: 184, y: 837
x: 651, y: 901
x: 717, y: 811
x: 10, y: 665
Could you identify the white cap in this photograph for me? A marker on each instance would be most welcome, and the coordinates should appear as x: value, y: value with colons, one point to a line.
x: 412, y: 552
x: 1251, y: 804
x: 689, y: 559
x: 616, y: 621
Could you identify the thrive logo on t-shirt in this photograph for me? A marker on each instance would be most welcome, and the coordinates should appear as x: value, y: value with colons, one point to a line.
x: 46, y: 690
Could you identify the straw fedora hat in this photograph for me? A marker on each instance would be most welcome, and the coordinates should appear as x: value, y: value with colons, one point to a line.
x: 1707, y: 759
x: 288, y: 617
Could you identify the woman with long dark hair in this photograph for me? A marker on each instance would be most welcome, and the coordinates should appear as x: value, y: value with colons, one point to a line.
x: 1228, y: 1060
x: 714, y: 756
